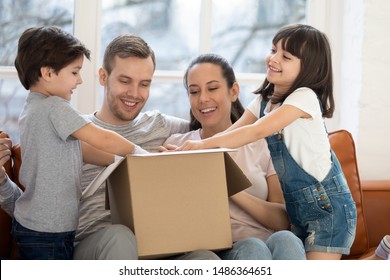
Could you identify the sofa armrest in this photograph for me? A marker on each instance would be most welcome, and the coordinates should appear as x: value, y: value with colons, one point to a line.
x: 376, y: 207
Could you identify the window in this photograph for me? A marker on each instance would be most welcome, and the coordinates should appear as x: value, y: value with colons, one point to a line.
x: 15, y: 17
x: 177, y: 30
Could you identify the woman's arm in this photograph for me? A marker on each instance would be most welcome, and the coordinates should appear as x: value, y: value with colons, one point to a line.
x: 272, y: 213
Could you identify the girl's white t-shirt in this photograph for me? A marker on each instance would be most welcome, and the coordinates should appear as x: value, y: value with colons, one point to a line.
x: 306, y: 139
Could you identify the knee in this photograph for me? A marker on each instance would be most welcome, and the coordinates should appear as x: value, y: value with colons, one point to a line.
x: 283, y: 236
x: 114, y: 242
x: 120, y: 243
x: 121, y: 230
x: 200, y: 255
x: 286, y: 245
x: 251, y: 249
x: 250, y: 244
x: 120, y: 233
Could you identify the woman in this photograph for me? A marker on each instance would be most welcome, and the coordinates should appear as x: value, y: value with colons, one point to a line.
x: 258, y: 215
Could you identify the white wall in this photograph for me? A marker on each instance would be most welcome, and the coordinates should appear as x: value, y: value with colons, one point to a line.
x: 373, y: 133
x: 364, y: 94
x: 358, y: 32
x: 351, y: 66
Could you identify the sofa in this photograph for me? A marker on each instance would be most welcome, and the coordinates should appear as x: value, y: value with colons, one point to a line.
x: 372, y: 200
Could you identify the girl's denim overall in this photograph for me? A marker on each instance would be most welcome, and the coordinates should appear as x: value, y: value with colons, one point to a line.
x: 323, y: 214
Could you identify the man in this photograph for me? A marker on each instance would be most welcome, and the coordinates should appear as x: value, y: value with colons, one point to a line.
x: 126, y: 76
x: 128, y: 66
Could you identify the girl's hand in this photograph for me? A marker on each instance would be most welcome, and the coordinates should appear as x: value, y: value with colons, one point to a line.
x: 192, y: 145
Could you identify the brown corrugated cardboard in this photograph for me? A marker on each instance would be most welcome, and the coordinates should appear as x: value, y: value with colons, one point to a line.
x: 175, y: 202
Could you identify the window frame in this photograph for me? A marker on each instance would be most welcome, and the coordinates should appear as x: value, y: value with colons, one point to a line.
x: 319, y: 14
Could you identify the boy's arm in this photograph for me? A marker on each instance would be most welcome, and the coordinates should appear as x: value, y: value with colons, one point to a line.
x: 95, y: 156
x: 103, y: 139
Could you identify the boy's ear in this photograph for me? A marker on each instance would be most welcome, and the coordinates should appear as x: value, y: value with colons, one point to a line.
x: 46, y: 73
x: 102, y: 76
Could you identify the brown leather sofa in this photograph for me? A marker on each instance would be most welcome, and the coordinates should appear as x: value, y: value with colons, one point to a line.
x: 372, y: 200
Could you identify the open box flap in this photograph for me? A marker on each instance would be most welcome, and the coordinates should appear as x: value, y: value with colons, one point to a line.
x: 236, y: 180
x: 100, y: 179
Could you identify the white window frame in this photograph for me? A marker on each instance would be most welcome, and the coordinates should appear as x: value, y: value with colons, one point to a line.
x: 325, y: 15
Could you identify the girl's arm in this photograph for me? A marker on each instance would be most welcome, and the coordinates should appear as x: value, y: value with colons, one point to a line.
x: 265, y: 126
x: 103, y: 139
x: 247, y: 118
x: 272, y: 213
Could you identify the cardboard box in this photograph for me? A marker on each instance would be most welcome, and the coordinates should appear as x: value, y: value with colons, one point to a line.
x: 174, y: 202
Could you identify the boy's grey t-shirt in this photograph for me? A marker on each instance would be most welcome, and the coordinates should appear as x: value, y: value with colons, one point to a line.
x: 51, y: 164
x: 149, y: 130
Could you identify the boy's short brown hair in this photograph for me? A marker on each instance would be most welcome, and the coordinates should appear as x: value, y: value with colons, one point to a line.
x: 46, y: 46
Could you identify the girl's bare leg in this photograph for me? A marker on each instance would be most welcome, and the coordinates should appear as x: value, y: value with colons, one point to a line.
x: 322, y: 256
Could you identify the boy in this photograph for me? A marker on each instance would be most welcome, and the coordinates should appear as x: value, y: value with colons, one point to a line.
x: 55, y: 140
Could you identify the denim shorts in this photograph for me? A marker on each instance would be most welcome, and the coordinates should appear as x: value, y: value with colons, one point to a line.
x: 324, y: 215
x: 34, y: 245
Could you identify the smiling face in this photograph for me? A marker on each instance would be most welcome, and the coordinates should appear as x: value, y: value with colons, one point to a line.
x: 126, y: 89
x: 210, y: 97
x: 66, y: 80
x: 282, y: 68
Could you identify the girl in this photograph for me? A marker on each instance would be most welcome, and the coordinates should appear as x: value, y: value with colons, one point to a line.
x: 258, y: 215
x: 289, y: 111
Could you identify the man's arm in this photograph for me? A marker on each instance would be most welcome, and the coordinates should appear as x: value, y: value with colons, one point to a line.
x: 9, y: 191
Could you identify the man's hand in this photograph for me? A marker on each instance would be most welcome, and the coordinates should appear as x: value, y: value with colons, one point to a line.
x: 5, y: 155
x: 167, y: 148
